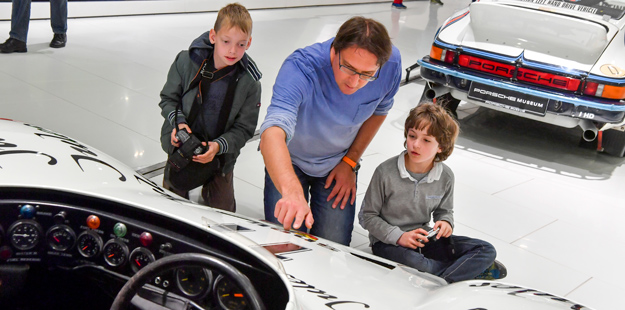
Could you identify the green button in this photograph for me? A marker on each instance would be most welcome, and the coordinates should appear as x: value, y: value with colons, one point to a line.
x: 120, y: 230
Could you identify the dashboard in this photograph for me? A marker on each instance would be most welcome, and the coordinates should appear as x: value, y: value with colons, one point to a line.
x: 70, y: 250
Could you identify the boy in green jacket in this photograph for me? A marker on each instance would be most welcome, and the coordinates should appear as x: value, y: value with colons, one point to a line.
x: 213, y: 92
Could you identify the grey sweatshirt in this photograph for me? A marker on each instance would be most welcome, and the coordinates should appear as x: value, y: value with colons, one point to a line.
x: 395, y: 202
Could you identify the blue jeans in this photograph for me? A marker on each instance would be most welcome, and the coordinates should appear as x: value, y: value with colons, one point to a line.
x: 471, y: 257
x: 331, y: 224
x: 20, y: 18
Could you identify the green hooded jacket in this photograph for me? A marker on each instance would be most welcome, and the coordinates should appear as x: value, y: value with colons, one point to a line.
x: 243, y: 117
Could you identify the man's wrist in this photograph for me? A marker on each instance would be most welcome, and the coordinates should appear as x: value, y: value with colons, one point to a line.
x: 355, y: 165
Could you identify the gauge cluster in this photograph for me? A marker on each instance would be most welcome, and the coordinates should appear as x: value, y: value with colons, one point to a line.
x: 66, y: 236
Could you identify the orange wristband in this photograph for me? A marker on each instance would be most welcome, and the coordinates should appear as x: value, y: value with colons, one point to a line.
x: 350, y: 162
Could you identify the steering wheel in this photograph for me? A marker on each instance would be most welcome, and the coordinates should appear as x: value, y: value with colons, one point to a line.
x: 123, y: 299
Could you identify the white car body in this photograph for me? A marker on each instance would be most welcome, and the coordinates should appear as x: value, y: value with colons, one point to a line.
x: 554, y: 61
x: 37, y: 166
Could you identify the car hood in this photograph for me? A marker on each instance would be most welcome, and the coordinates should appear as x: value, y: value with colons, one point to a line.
x: 317, y: 273
x: 531, y: 31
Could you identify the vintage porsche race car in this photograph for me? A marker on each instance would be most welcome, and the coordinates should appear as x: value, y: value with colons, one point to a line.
x: 80, y: 230
x: 554, y: 61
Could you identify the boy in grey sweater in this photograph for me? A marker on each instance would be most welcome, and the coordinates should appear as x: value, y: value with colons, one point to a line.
x: 407, y: 190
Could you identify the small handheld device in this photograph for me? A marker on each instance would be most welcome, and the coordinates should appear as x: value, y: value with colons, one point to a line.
x: 432, y: 234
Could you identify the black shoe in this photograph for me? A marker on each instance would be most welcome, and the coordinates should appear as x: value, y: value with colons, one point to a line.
x: 12, y: 45
x: 58, y: 40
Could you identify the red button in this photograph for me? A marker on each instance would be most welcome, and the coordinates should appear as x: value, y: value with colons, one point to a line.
x: 146, y: 239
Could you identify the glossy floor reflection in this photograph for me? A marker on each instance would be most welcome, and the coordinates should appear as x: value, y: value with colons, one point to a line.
x: 552, y: 209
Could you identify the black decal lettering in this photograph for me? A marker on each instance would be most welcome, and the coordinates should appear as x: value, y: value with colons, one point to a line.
x: 327, y: 296
x: 77, y: 158
x: 488, y: 67
x: 529, y: 76
x: 521, y: 292
x: 543, y: 79
x: 331, y: 304
x: 157, y: 189
x: 51, y: 162
x: 474, y: 63
x: 480, y: 285
x: 304, y: 285
x: 559, y: 299
x: 75, y: 145
x: 504, y: 70
x: 296, y: 280
x: 317, y: 291
x: 6, y: 144
x: 503, y: 286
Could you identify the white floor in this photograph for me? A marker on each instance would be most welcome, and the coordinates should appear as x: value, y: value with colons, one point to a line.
x: 551, y: 209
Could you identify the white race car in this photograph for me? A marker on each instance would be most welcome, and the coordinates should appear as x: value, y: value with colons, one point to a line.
x: 80, y: 230
x: 555, y: 61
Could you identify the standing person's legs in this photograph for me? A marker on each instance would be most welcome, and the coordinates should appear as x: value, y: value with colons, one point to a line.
x: 58, y: 20
x: 334, y: 224
x: 472, y: 257
x: 272, y: 195
x: 219, y: 192
x: 58, y: 16
x: 20, y: 18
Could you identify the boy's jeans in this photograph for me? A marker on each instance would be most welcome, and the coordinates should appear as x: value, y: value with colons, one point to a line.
x: 331, y: 224
x: 20, y: 18
x: 472, y: 257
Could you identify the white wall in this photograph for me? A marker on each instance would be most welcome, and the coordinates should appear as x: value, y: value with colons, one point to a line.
x: 112, y: 8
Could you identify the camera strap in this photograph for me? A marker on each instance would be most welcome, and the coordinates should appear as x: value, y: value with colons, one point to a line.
x: 205, y: 73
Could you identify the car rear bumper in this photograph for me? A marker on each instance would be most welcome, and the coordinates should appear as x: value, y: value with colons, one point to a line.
x: 561, y: 109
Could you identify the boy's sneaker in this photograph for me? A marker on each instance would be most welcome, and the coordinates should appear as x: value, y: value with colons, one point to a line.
x: 436, y: 2
x: 496, y: 271
x: 398, y: 6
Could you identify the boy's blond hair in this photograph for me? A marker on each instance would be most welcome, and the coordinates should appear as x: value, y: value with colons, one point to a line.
x: 234, y: 15
x: 443, y: 127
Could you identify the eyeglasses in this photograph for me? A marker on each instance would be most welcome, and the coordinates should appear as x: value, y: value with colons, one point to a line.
x: 361, y: 76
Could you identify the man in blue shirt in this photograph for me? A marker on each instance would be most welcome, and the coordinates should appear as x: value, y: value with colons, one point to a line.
x: 328, y: 102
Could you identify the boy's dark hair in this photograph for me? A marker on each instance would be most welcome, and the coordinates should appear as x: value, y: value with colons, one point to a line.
x: 234, y: 15
x: 367, y: 34
x: 443, y: 127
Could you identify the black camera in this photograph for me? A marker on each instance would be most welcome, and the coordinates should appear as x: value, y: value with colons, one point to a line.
x: 190, y: 145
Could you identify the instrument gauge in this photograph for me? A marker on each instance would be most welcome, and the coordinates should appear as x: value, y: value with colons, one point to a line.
x: 194, y: 281
x: 115, y: 253
x: 229, y: 295
x: 139, y: 258
x: 60, y: 237
x: 25, y: 234
x: 89, y: 244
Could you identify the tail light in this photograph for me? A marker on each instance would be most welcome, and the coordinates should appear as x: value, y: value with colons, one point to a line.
x: 548, y: 79
x: 442, y: 54
x: 604, y: 90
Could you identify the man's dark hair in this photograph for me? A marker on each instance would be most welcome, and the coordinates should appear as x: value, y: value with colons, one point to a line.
x: 367, y: 34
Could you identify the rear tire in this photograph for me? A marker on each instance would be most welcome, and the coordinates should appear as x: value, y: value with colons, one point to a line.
x: 613, y: 142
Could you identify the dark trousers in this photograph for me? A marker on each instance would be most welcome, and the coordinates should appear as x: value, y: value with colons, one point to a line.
x: 217, y: 193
